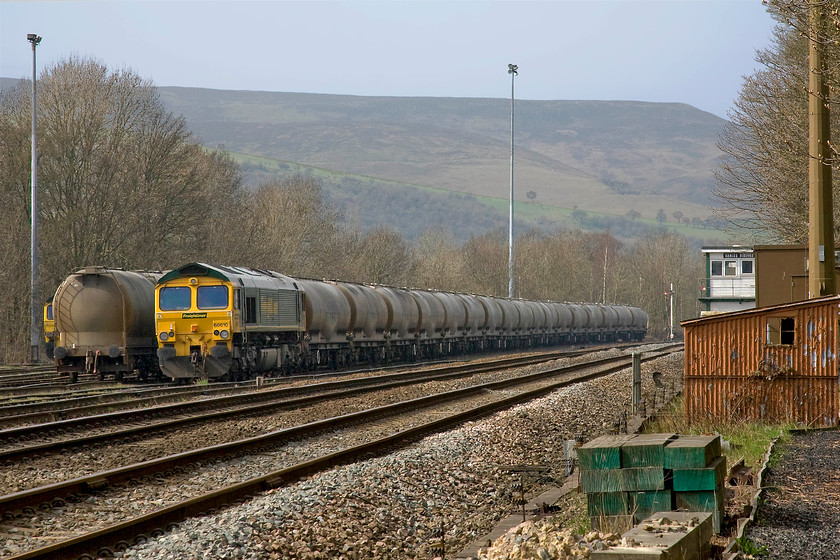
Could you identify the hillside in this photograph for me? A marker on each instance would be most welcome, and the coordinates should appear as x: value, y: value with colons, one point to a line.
x: 418, y: 162
x: 593, y: 156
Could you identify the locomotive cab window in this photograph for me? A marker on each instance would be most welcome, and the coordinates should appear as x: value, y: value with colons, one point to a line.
x: 781, y: 331
x: 174, y: 299
x: 49, y: 313
x: 212, y: 297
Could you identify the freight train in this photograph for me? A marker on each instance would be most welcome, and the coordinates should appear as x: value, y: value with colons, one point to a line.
x: 104, y: 318
x: 230, y: 322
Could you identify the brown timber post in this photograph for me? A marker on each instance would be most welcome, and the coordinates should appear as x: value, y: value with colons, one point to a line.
x: 821, y: 275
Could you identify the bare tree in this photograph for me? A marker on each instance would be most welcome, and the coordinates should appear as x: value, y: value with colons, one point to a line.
x: 437, y: 260
x: 486, y: 264
x: 763, y: 177
x: 383, y: 258
x: 656, y: 261
x: 121, y: 181
x: 288, y: 227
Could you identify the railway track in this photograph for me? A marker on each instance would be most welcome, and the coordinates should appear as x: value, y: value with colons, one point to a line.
x: 120, y: 535
x: 18, y: 376
x: 41, y: 421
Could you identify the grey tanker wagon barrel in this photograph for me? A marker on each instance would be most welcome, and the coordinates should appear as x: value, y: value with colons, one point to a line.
x: 105, y: 320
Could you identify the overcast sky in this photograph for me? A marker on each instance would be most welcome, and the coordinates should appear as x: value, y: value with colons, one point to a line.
x: 688, y: 51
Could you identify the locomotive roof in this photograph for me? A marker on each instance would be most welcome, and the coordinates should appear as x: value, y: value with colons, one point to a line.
x: 233, y: 274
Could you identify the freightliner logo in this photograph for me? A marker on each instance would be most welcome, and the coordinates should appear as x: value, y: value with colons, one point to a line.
x: 194, y: 316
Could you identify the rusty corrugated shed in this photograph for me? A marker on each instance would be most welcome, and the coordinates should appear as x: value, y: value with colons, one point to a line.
x: 773, y: 363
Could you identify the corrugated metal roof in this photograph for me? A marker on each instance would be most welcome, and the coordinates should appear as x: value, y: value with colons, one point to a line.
x: 760, y: 310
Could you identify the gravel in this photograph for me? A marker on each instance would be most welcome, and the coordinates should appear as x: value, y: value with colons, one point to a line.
x: 393, y: 506
x: 800, y: 512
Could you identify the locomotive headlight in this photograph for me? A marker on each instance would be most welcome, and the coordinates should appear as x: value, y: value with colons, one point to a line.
x: 224, y: 334
x: 164, y: 337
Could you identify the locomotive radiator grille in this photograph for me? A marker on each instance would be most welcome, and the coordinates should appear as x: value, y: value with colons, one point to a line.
x: 279, y: 308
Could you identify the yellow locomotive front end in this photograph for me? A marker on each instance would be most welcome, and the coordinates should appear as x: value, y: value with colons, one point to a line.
x: 194, y: 321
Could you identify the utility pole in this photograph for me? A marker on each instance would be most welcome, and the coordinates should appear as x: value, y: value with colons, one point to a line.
x: 512, y: 70
x: 821, y: 274
x: 35, y: 303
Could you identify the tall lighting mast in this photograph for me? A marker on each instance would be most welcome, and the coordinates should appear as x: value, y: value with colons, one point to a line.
x: 512, y: 70
x: 35, y: 326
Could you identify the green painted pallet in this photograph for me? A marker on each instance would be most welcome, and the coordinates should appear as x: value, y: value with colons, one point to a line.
x: 644, y: 504
x: 692, y: 452
x: 601, y: 480
x: 602, y: 452
x: 708, y: 478
x: 645, y: 450
x: 607, y: 503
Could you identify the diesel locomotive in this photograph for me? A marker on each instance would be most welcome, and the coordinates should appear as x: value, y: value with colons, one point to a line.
x: 216, y: 321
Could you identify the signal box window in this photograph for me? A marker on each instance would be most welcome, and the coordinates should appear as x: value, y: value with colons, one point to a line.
x: 717, y: 268
x: 212, y: 297
x: 781, y: 330
x: 746, y: 267
x: 730, y: 269
x: 174, y: 299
